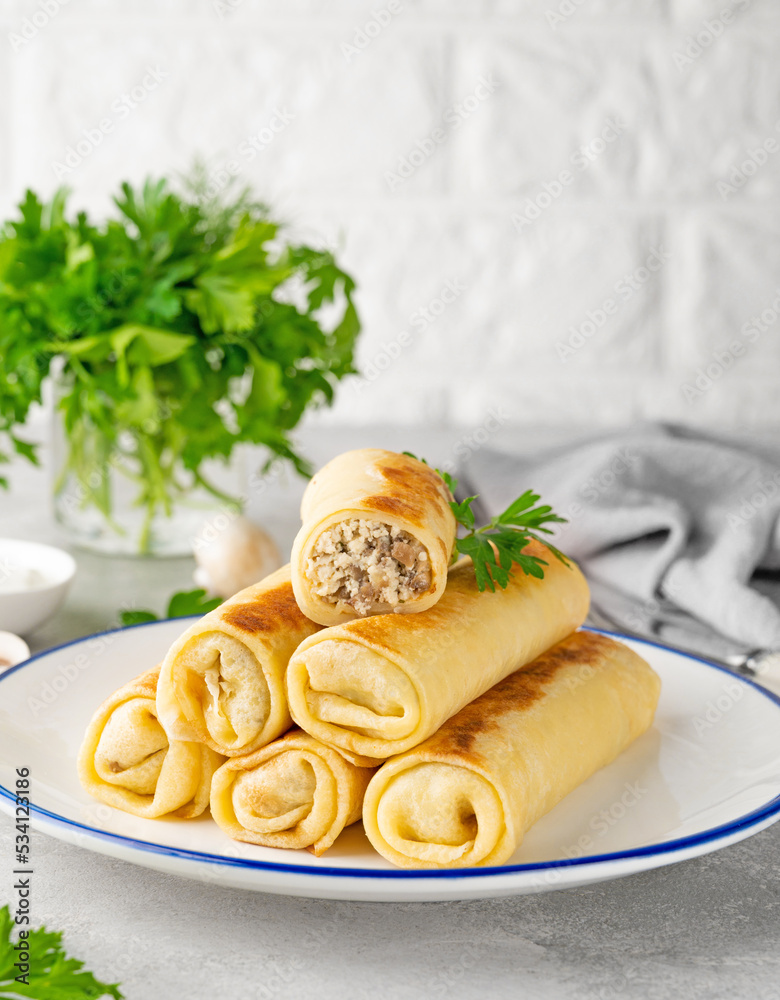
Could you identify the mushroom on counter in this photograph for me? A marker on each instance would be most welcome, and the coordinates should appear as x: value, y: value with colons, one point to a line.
x: 233, y: 556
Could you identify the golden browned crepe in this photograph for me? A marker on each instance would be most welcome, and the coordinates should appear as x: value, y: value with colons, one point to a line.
x: 127, y: 761
x: 293, y: 793
x: 222, y: 681
x: 377, y: 536
x: 378, y: 686
x: 467, y: 794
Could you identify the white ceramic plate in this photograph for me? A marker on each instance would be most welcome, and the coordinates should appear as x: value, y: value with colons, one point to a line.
x: 707, y: 775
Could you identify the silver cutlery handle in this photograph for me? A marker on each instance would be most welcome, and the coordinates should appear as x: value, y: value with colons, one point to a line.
x: 760, y: 664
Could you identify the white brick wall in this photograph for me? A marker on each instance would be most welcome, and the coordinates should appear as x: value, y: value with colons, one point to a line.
x: 535, y: 227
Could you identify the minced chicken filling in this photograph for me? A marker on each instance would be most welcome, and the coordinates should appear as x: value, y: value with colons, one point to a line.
x: 364, y: 563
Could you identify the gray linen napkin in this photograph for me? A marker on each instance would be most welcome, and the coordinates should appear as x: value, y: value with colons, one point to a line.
x: 659, y: 510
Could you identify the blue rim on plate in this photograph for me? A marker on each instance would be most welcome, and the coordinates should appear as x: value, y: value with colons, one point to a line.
x: 668, y: 847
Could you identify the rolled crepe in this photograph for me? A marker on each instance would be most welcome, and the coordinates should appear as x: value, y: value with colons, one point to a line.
x: 377, y: 536
x: 127, y: 761
x: 222, y: 682
x: 467, y: 795
x: 378, y: 686
x: 293, y: 793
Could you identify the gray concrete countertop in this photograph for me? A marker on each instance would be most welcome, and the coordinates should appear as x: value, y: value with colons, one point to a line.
x: 706, y: 928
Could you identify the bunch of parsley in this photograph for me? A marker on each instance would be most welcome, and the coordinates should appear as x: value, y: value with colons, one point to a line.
x: 185, y: 326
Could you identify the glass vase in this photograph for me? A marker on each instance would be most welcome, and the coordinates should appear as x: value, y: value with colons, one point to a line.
x: 112, y: 499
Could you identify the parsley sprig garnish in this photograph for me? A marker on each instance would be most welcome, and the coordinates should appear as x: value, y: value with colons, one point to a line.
x: 181, y: 605
x: 499, y: 545
x: 52, y: 974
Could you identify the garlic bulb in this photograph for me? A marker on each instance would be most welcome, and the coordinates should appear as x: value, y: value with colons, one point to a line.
x: 233, y: 555
x: 13, y: 650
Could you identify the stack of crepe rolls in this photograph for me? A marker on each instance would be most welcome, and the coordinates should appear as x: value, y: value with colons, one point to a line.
x: 533, y: 706
x: 127, y: 761
x: 466, y: 795
x: 222, y: 682
x: 376, y: 687
x: 377, y: 537
x: 294, y: 793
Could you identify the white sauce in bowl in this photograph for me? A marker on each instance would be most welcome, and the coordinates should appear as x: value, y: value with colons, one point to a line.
x: 17, y: 579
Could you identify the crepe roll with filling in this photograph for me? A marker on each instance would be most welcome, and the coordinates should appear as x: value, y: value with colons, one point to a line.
x: 467, y: 794
x: 222, y: 681
x: 127, y: 761
x: 293, y: 793
x: 377, y: 686
x: 377, y: 537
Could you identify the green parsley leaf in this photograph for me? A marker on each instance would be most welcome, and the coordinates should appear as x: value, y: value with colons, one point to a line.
x: 497, y: 548
x: 191, y: 602
x: 26, y: 449
x: 52, y: 974
x: 137, y: 617
x: 463, y: 513
x: 181, y: 605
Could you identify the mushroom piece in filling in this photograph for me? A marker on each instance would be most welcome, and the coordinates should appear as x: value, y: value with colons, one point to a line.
x: 363, y: 564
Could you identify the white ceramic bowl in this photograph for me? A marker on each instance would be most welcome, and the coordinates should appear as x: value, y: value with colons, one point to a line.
x: 34, y: 580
